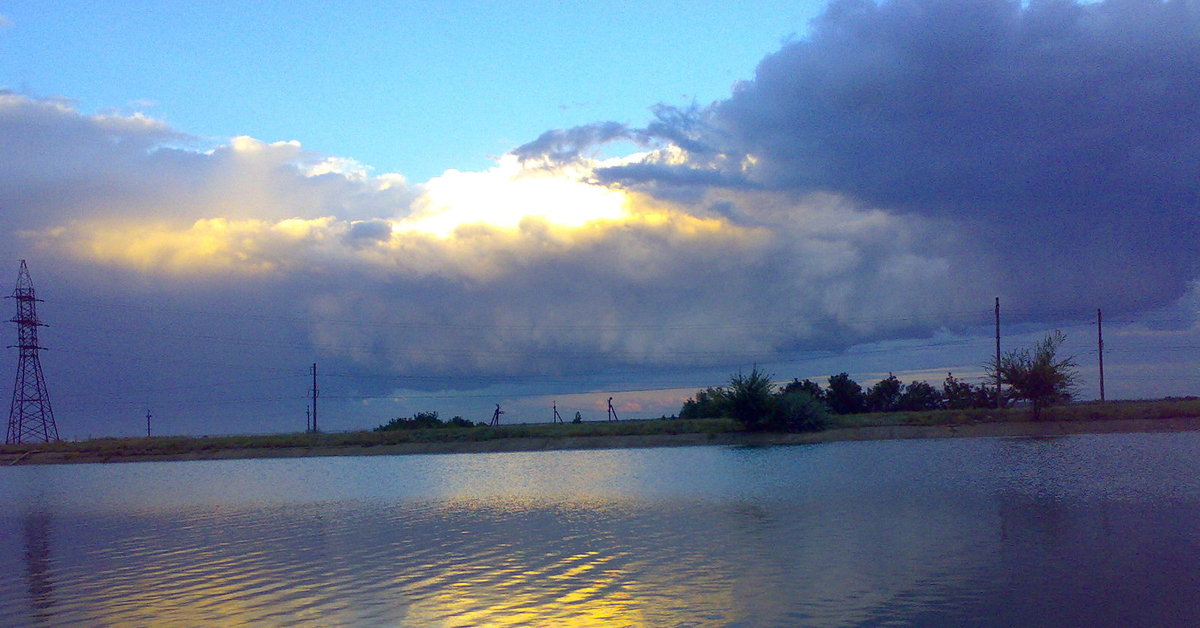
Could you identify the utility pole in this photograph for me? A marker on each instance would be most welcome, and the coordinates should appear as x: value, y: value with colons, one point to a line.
x: 147, y: 423
x: 315, y: 393
x: 496, y: 416
x: 307, y: 418
x: 557, y: 416
x: 30, y: 417
x: 612, y: 413
x: 999, y: 387
x: 1100, y: 340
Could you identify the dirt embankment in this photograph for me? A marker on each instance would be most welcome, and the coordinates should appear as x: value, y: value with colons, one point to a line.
x: 968, y: 430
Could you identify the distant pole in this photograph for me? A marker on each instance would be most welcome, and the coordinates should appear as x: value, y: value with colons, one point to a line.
x: 315, y: 393
x: 1100, y: 340
x: 307, y: 418
x: 496, y: 416
x: 612, y: 413
x: 999, y: 386
x: 147, y: 424
x: 557, y: 416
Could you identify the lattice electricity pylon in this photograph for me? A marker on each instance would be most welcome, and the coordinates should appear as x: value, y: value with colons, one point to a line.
x: 30, y: 418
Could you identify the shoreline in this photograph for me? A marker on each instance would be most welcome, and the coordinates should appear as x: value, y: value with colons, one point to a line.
x: 1010, y: 429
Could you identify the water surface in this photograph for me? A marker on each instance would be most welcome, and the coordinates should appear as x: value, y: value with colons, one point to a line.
x: 1097, y: 530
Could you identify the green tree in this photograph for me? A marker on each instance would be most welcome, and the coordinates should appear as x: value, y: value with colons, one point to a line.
x: 1038, y: 376
x: 919, y: 395
x: 960, y: 395
x: 750, y: 398
x: 884, y: 396
x: 807, y: 385
x: 709, y: 403
x: 844, y: 396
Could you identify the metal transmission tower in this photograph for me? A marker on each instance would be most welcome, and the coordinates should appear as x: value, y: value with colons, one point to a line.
x: 30, y: 418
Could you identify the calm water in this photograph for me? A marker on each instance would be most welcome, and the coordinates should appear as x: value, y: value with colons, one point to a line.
x: 1084, y: 530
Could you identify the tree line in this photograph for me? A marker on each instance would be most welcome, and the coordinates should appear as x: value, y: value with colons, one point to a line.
x: 1035, y: 375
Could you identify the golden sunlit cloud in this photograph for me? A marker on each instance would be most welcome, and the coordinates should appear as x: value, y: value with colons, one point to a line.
x: 507, y: 194
x: 463, y: 224
x: 209, y: 244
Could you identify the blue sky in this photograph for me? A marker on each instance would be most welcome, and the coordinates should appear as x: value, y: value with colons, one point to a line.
x: 409, y: 87
x: 453, y: 205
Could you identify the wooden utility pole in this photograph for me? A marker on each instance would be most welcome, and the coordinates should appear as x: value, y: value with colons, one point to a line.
x: 1100, y: 341
x: 999, y: 387
x: 315, y: 393
x: 147, y: 424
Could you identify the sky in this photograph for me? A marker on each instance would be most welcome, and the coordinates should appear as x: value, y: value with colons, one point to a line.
x: 528, y: 204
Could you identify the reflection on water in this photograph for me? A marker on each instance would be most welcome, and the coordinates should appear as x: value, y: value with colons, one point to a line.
x: 37, y: 561
x: 1095, y: 530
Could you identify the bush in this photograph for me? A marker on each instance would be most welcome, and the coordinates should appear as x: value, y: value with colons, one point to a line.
x: 418, y: 421
x: 799, y: 411
x: 461, y: 422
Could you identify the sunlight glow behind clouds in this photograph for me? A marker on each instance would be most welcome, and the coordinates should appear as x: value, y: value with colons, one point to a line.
x: 508, y: 194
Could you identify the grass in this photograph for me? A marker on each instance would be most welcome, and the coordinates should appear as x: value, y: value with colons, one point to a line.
x: 168, y: 445
x: 1090, y: 411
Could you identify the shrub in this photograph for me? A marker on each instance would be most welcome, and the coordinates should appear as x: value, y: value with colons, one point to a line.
x: 799, y: 411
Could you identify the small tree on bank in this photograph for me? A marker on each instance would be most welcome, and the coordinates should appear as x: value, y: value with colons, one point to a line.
x: 750, y: 397
x: 1039, y: 377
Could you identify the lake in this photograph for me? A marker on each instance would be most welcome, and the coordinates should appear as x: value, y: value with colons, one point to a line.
x: 1099, y: 530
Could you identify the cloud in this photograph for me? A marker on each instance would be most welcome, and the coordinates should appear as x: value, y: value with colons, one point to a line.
x: 1058, y: 136
x: 5, y: 23
x: 565, y: 145
x: 898, y: 168
x: 522, y: 268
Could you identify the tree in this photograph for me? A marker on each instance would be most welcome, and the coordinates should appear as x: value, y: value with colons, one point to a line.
x: 960, y: 395
x: 884, y: 396
x: 750, y: 399
x: 807, y: 386
x: 844, y: 395
x: 919, y: 395
x: 1038, y: 377
x: 706, y: 404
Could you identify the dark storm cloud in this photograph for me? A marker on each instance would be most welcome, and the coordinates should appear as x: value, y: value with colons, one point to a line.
x: 1062, y: 136
x: 946, y: 103
x: 568, y: 145
x: 376, y: 230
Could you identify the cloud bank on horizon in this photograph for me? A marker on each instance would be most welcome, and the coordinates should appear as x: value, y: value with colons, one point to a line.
x: 896, y: 168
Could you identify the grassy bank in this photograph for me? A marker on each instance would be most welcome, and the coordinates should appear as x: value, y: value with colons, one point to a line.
x: 114, y: 448
x: 1092, y: 411
x: 657, y: 432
